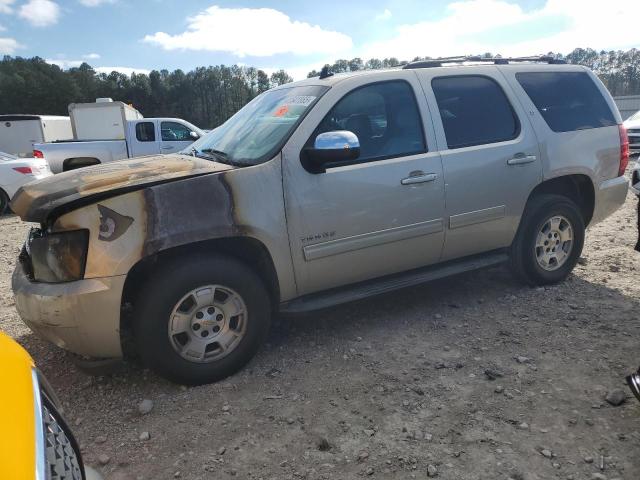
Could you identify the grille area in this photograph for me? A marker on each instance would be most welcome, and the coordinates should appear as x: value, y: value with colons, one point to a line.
x: 61, y: 458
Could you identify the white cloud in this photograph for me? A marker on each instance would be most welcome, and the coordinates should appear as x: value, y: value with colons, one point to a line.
x: 8, y: 46
x: 125, y: 70
x: 40, y: 13
x: 65, y: 64
x: 91, y: 56
x: 251, y: 31
x: 386, y: 15
x: 94, y: 3
x: 474, y: 26
x: 5, y: 6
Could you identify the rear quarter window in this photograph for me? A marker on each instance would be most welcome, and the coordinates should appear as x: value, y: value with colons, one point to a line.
x: 567, y: 101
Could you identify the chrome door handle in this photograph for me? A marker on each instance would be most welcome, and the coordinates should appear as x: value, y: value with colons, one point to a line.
x: 521, y: 159
x: 419, y: 177
x: 168, y: 147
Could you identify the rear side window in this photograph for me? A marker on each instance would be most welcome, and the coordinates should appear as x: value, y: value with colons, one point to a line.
x: 474, y: 111
x: 567, y: 101
x: 145, y: 132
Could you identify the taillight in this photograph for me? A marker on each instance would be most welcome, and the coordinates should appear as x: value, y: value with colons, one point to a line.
x: 38, y: 154
x: 624, y: 150
x: 24, y: 170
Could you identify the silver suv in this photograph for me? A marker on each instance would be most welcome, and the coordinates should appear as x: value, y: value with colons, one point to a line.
x: 316, y: 193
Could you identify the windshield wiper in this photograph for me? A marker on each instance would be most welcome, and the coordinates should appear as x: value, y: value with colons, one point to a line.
x: 211, y: 154
x: 216, y: 153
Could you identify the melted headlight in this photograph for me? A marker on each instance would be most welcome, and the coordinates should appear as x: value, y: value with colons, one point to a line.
x: 59, y: 257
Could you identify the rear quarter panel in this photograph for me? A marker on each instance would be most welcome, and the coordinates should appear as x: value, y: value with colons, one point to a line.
x: 593, y: 152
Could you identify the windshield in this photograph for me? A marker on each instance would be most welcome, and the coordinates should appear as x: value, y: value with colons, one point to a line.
x: 256, y: 132
x: 635, y: 116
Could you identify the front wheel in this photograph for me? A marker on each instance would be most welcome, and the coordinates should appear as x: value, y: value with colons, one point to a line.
x: 549, y: 240
x: 201, y: 319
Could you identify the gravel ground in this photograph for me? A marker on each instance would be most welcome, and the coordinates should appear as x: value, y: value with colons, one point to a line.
x: 393, y: 387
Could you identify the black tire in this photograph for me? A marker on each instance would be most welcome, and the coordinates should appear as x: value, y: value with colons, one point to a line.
x: 4, y: 202
x: 167, y: 286
x: 523, y: 259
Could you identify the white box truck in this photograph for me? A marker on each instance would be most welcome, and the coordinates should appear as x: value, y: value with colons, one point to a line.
x: 102, y: 120
x: 18, y: 133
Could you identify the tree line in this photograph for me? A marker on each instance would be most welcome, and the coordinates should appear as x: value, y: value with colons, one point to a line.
x: 207, y: 96
x: 619, y: 70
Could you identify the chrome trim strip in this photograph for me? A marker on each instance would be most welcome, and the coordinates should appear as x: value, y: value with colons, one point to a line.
x: 40, y: 447
x: 371, y: 239
x: 477, y: 216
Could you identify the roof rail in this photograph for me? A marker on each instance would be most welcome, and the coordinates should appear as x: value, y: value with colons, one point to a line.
x: 438, y: 62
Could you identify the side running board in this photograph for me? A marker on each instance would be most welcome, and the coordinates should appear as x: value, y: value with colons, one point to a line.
x: 358, y: 291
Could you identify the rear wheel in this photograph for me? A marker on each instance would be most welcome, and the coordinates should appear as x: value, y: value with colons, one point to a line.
x: 4, y: 202
x: 201, y: 319
x: 549, y: 240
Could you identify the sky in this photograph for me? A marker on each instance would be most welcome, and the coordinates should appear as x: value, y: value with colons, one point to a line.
x: 302, y: 35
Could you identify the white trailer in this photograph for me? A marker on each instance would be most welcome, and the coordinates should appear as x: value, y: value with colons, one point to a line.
x: 18, y: 133
x: 102, y: 120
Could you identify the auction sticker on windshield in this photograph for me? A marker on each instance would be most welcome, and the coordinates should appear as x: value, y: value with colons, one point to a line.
x: 304, y: 100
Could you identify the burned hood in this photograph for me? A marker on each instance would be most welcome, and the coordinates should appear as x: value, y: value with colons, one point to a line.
x: 36, y: 201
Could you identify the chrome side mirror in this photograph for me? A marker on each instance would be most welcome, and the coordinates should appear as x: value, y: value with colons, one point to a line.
x: 331, y: 149
x: 194, y: 135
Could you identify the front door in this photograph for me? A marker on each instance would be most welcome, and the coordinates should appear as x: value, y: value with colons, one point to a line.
x: 379, y: 214
x: 490, y: 157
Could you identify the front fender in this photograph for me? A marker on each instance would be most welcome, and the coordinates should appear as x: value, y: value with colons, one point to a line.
x: 127, y: 228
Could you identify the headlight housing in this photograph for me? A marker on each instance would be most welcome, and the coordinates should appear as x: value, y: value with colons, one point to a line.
x: 59, y: 257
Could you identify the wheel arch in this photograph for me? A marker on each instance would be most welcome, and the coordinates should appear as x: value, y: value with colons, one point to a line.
x: 250, y: 251
x: 79, y: 162
x: 577, y: 187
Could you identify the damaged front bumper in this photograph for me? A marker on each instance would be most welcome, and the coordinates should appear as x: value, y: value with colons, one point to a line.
x: 82, y: 316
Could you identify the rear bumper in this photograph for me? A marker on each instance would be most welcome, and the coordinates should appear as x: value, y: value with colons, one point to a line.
x: 610, y: 195
x: 82, y: 317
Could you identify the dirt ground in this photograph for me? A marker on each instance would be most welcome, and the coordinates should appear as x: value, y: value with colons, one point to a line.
x: 392, y: 387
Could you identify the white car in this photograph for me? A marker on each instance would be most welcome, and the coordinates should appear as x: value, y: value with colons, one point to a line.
x: 632, y: 125
x: 16, y: 172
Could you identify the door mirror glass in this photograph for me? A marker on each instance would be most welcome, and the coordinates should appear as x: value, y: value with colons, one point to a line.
x: 330, y: 149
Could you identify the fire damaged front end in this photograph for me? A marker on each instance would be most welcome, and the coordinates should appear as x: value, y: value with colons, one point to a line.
x: 97, y: 223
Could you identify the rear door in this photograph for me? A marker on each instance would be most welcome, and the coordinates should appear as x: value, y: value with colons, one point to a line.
x: 142, y: 138
x: 490, y: 157
x: 174, y: 136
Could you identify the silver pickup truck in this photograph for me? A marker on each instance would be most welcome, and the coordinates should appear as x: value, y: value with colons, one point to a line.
x: 320, y: 192
x: 147, y: 136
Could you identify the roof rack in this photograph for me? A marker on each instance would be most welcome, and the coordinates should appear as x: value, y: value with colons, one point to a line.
x: 438, y: 62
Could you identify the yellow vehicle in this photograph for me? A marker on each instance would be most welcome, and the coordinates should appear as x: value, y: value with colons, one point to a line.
x: 36, y: 443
